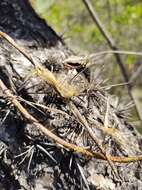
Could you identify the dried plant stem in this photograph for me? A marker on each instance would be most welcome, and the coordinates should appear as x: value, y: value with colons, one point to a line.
x: 14, y: 44
x: 68, y: 91
x: 57, y: 139
x: 84, y: 122
x: 84, y: 60
x: 53, y: 110
x: 47, y: 132
x: 106, y: 35
x: 123, y: 52
x: 64, y: 90
x: 114, y: 47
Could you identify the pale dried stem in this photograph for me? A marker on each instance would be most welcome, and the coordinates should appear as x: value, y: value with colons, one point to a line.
x: 114, y: 50
x: 58, y: 140
x: 84, y: 122
x: 43, y: 129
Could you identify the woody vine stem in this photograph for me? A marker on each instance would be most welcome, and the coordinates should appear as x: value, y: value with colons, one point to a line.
x: 59, y: 142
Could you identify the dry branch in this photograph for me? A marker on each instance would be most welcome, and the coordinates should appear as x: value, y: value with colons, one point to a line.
x: 47, y: 132
x: 58, y: 140
x: 113, y: 46
x: 14, y: 44
x: 84, y: 122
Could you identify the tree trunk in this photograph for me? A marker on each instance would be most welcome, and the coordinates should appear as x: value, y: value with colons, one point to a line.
x: 31, y: 160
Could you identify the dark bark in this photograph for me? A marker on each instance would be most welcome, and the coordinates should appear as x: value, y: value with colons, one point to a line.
x: 18, y: 19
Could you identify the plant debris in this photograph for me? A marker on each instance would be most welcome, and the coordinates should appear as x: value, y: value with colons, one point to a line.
x: 60, y: 129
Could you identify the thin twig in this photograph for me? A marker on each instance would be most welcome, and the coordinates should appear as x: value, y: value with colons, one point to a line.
x: 113, y: 46
x: 58, y: 140
x: 20, y: 49
x: 47, y: 132
x: 65, y: 91
x: 136, y: 74
x: 123, y: 52
x: 108, y: 87
x: 94, y: 56
x: 84, y: 122
x: 54, y: 110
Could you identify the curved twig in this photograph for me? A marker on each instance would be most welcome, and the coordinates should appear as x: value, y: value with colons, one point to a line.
x: 58, y: 140
x: 113, y: 46
x: 20, y: 49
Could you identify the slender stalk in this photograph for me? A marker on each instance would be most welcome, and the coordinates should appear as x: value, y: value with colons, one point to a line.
x: 113, y: 46
x: 58, y: 140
